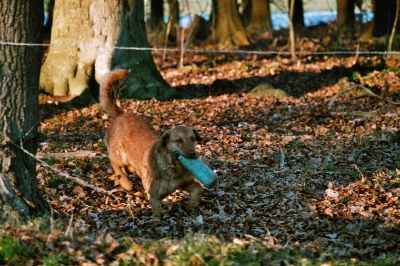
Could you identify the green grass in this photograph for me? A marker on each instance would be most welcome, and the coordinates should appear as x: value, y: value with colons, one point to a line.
x: 14, y: 251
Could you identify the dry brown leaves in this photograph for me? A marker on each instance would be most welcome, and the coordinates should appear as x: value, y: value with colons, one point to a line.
x: 288, y: 169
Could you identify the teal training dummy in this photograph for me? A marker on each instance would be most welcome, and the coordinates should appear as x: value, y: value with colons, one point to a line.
x: 199, y: 170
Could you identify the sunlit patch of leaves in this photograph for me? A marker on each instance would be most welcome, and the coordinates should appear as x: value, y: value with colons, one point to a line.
x: 320, y: 180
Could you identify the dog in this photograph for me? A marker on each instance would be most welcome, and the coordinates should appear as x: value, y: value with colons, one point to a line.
x: 133, y: 146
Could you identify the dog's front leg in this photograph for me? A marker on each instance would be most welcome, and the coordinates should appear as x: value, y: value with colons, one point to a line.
x: 195, y: 191
x: 155, y: 206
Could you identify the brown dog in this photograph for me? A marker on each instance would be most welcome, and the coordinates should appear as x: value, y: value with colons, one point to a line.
x: 133, y: 146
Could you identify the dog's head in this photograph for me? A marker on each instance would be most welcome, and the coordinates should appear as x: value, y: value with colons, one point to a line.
x: 182, y: 140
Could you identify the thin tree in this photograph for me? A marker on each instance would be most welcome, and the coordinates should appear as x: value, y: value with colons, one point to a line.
x: 20, y: 21
x: 292, y: 34
x: 298, y: 13
x: 390, y: 43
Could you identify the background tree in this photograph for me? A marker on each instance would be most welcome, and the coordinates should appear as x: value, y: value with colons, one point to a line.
x: 20, y: 21
x: 260, y: 18
x: 384, y: 14
x: 228, y: 28
x: 156, y: 15
x: 298, y: 13
x: 144, y: 80
x: 172, y: 30
x: 345, y: 13
x: 83, y: 37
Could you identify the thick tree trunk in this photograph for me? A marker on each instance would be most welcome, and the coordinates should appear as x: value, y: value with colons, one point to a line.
x: 345, y: 13
x: 144, y: 80
x: 157, y: 15
x: 260, y: 22
x: 20, y: 21
x: 84, y: 35
x: 298, y: 14
x: 228, y: 29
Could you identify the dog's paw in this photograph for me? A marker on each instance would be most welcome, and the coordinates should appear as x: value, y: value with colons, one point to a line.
x: 193, y: 202
x: 126, y: 184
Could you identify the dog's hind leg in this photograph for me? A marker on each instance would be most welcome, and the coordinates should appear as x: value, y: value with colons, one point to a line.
x: 122, y: 177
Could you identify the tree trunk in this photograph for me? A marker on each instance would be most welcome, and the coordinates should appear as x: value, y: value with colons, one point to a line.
x: 173, y: 21
x: 298, y: 14
x: 157, y: 15
x: 228, y: 29
x: 83, y: 38
x: 20, y: 21
x: 292, y: 32
x: 384, y: 14
x: 49, y: 22
x: 345, y: 13
x: 260, y: 22
x: 144, y: 80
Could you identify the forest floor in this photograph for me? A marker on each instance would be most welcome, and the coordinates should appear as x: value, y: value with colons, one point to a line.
x: 311, y: 178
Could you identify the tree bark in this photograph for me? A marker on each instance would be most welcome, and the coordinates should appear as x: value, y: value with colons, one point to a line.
x: 144, y: 80
x: 173, y: 21
x: 83, y: 39
x: 298, y: 13
x: 384, y: 14
x: 260, y: 22
x: 157, y: 15
x: 345, y: 13
x: 292, y: 32
x: 20, y: 21
x: 228, y: 29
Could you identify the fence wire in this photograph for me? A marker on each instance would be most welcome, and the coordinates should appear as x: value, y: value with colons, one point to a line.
x: 207, y: 51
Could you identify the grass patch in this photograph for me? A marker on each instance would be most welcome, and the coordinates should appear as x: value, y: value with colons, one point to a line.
x: 14, y: 251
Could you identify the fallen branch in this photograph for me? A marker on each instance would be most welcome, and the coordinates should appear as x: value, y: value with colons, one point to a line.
x: 76, y: 154
x: 63, y: 174
x: 361, y: 87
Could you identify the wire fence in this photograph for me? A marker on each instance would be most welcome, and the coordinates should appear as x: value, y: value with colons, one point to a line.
x: 210, y: 51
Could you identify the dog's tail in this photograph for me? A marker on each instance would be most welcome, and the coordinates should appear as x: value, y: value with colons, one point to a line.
x: 107, y: 99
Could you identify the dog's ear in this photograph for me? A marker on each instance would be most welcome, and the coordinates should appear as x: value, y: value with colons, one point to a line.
x: 197, y: 135
x: 165, y: 137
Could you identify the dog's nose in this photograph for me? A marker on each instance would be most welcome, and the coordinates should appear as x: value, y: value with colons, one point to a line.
x: 192, y: 155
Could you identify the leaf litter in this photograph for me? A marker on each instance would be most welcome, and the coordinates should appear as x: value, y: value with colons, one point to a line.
x: 294, y: 172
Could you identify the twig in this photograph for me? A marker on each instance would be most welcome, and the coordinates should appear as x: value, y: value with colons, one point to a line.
x: 282, y: 162
x: 359, y: 171
x: 68, y: 232
x: 63, y: 174
x: 361, y: 87
x: 76, y: 154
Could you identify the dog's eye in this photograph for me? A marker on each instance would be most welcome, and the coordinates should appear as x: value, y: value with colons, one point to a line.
x: 180, y: 141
